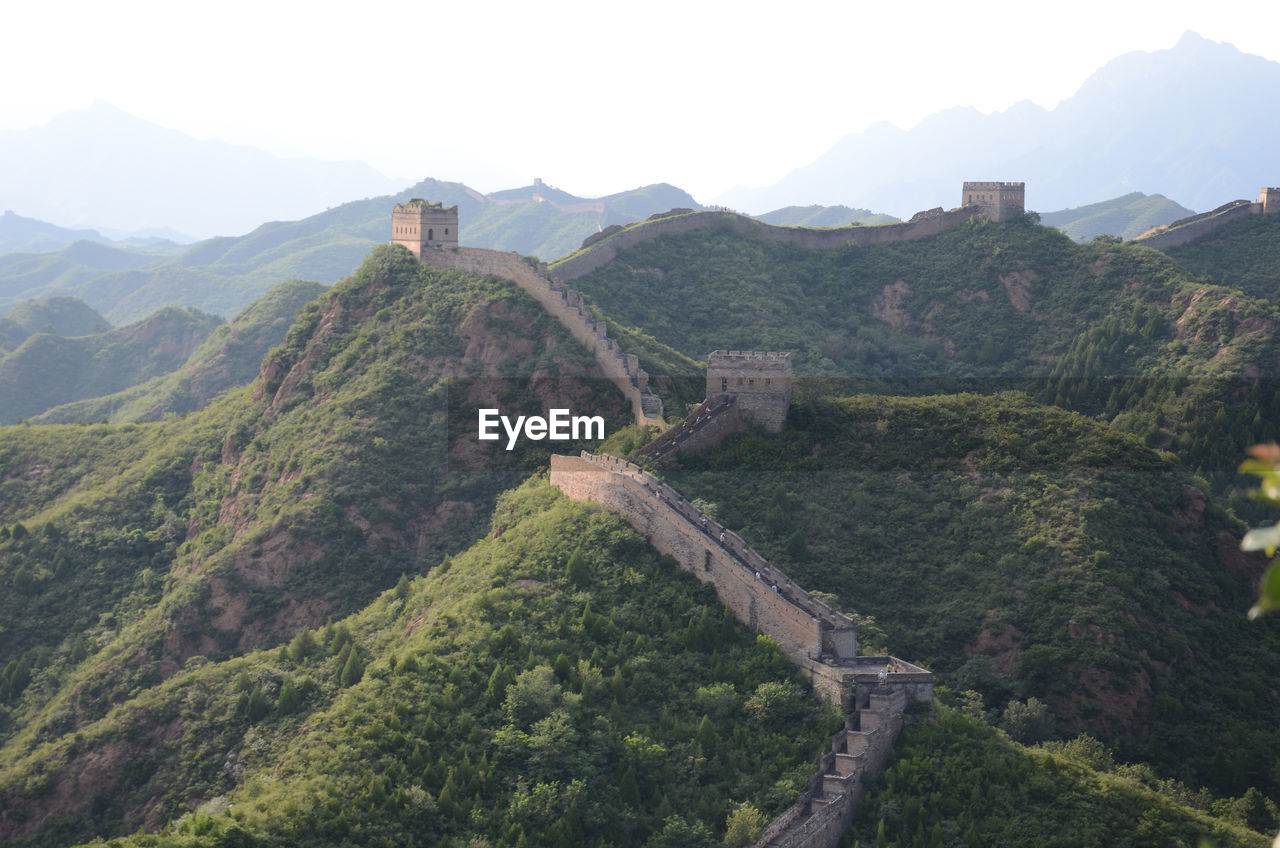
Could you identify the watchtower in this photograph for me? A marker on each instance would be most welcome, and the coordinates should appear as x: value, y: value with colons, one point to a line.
x: 1270, y: 200
x: 1001, y: 201
x: 420, y: 225
x: 759, y: 381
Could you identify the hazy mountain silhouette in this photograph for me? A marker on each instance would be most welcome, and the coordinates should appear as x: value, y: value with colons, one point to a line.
x: 1191, y: 123
x: 104, y: 168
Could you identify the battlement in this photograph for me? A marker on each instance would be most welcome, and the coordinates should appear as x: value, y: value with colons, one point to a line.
x: 1000, y: 200
x: 420, y: 224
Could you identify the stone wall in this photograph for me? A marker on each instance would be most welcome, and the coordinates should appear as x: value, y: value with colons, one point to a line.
x: 820, y: 818
x: 760, y: 595
x: 605, y: 250
x: 623, y: 369
x: 1193, y: 227
x: 821, y: 641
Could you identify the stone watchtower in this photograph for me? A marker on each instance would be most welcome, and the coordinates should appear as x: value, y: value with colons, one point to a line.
x: 420, y: 225
x: 1001, y: 201
x: 1269, y: 199
x: 760, y: 383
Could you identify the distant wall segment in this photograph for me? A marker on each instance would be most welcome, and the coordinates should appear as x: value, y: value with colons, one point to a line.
x: 1194, y: 226
x: 605, y: 250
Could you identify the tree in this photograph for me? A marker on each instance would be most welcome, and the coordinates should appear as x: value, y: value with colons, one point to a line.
x: 743, y: 826
x: 1266, y: 464
x: 578, y: 571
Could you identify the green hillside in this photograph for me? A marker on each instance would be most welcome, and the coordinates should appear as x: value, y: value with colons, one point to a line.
x: 1022, y: 551
x: 1244, y: 254
x: 48, y: 370
x: 487, y: 700
x: 960, y: 783
x: 61, y: 316
x: 229, y: 357
x: 223, y: 275
x: 306, y: 613
x: 1126, y: 217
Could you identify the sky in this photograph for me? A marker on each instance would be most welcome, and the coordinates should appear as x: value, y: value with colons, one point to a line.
x: 592, y: 97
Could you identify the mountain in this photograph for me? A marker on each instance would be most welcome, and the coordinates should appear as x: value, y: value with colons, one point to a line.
x: 28, y: 234
x: 1183, y: 122
x: 1123, y: 217
x: 99, y: 166
x: 60, y: 316
x: 229, y: 357
x: 47, y: 370
x: 223, y: 275
x: 308, y: 612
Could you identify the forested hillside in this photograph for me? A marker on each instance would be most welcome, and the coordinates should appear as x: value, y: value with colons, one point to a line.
x: 1022, y: 552
x: 305, y: 612
x: 229, y: 357
x: 47, y: 370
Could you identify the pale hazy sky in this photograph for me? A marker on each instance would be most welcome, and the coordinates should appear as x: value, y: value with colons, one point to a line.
x: 593, y: 97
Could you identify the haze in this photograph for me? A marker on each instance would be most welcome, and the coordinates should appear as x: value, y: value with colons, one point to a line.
x: 595, y: 98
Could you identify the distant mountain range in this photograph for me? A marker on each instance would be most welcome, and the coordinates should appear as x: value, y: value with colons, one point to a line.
x: 1191, y: 122
x: 102, y: 167
x: 223, y: 275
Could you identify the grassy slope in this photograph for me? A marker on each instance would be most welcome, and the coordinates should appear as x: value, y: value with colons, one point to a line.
x: 1125, y: 217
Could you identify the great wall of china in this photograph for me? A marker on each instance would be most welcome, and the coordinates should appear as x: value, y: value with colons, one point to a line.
x: 742, y: 387
x: 1194, y: 226
x: 819, y: 640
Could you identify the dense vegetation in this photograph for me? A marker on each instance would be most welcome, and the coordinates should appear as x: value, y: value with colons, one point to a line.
x: 1115, y: 331
x: 229, y: 357
x: 199, y: 612
x: 1023, y: 552
x: 958, y: 782
x: 127, y: 550
x: 1244, y: 255
x: 47, y: 370
x: 558, y: 684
